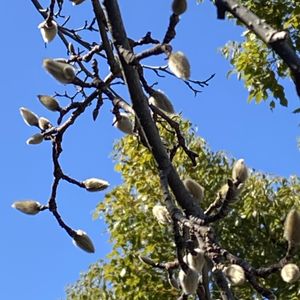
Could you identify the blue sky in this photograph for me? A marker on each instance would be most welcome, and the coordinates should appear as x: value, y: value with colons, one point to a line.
x: 38, y: 259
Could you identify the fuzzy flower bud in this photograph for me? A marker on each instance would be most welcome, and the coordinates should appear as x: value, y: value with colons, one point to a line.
x: 239, y: 171
x: 290, y: 273
x: 160, y: 100
x: 188, y: 281
x: 76, y: 2
x: 161, y: 214
x: 49, y: 102
x: 60, y: 70
x: 179, y: 6
x: 292, y: 227
x: 124, y: 124
x: 28, y: 207
x: 30, y: 118
x: 235, y: 274
x: 35, y: 139
x: 95, y: 184
x: 195, y: 262
x: 48, y: 32
x: 44, y: 123
x: 179, y: 65
x: 82, y: 240
x: 196, y: 190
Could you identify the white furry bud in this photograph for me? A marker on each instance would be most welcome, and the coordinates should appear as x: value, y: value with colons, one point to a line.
x: 44, y: 123
x: 30, y: 118
x: 195, y: 262
x: 95, y: 184
x: 60, y: 70
x: 292, y: 227
x: 290, y: 273
x: 160, y: 100
x: 49, y: 102
x: 179, y: 65
x: 82, y: 240
x: 235, y: 274
x: 28, y: 207
x: 239, y: 171
x: 48, y: 32
x: 196, y: 190
x: 179, y: 6
x: 76, y: 2
x: 161, y: 214
x: 124, y: 124
x: 35, y: 139
x: 188, y: 281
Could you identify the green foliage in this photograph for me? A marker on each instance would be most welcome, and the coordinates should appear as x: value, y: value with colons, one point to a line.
x: 253, y: 230
x: 256, y: 64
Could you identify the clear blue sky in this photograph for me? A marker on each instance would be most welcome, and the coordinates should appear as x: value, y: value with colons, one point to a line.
x: 38, y: 259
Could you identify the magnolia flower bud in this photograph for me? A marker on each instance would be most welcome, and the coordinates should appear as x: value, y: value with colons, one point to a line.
x: 195, y: 262
x: 235, y: 274
x: 292, y: 227
x: 82, y: 240
x: 161, y: 214
x: 76, y: 2
x: 28, y: 207
x: 179, y: 65
x: 223, y: 191
x: 30, y: 118
x: 196, y: 190
x: 188, y: 281
x: 239, y: 171
x: 290, y: 273
x: 124, y: 123
x: 44, y: 123
x: 160, y: 100
x: 35, y: 139
x: 95, y: 184
x: 48, y: 32
x: 60, y: 70
x: 49, y: 102
x: 179, y: 6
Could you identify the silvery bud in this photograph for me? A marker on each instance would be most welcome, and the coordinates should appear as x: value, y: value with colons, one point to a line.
x: 290, y: 273
x: 223, y: 191
x: 160, y: 100
x: 60, y: 70
x: 95, y: 184
x: 28, y: 207
x: 235, y: 274
x: 196, y: 190
x: 195, y: 262
x: 124, y: 123
x: 76, y: 2
x: 161, y: 214
x: 188, y: 281
x: 179, y: 6
x: 239, y: 171
x: 292, y: 227
x: 44, y: 123
x: 30, y: 118
x: 82, y: 240
x: 49, y: 102
x: 179, y: 65
x: 35, y: 139
x: 48, y: 32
